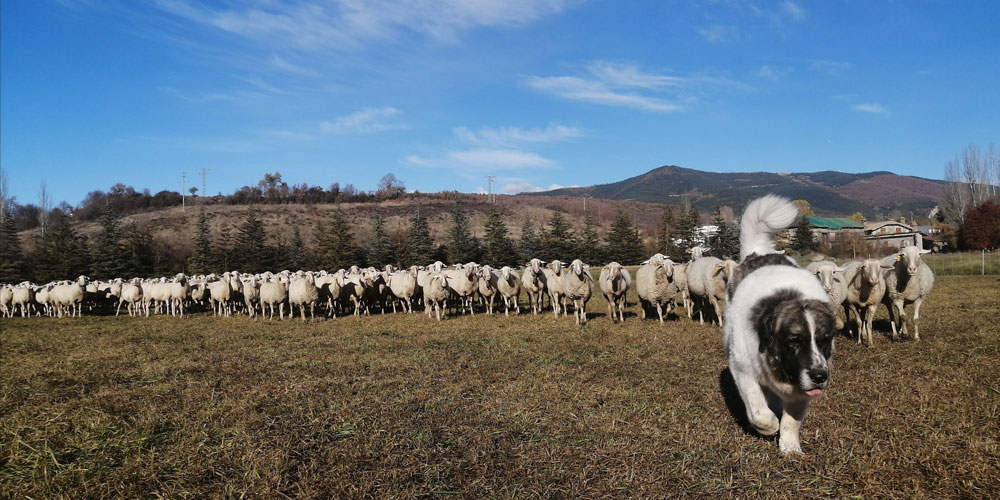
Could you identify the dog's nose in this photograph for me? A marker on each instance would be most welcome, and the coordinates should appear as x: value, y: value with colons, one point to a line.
x: 818, y: 376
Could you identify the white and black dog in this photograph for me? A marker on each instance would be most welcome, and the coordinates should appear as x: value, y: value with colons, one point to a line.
x: 778, y: 328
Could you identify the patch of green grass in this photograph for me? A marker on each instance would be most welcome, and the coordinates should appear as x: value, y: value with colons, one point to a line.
x: 483, y: 407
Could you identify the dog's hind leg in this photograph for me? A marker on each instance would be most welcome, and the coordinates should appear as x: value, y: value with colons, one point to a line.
x: 791, y: 419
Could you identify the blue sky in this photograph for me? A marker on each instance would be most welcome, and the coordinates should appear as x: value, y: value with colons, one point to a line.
x: 539, y: 93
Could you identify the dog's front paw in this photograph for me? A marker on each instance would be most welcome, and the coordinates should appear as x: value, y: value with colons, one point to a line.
x: 790, y: 446
x: 765, y: 423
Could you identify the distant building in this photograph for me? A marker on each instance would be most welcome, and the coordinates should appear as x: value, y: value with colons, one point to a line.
x: 893, y: 234
x: 830, y: 229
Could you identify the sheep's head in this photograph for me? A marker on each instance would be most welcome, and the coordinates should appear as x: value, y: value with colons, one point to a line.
x: 556, y: 266
x: 536, y: 265
x: 726, y: 269
x: 82, y: 281
x: 871, y: 271
x: 486, y: 271
x: 825, y: 273
x: 666, y: 265
x: 614, y: 271
x: 910, y: 257
x: 696, y: 252
x: 578, y: 267
x: 505, y: 273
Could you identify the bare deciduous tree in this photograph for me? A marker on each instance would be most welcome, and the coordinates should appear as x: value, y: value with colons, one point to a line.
x: 972, y: 179
x: 44, y: 206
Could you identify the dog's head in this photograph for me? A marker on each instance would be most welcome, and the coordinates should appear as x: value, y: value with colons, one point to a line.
x: 796, y: 336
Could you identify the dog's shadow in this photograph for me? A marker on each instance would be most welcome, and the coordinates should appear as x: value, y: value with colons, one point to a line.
x: 737, y: 410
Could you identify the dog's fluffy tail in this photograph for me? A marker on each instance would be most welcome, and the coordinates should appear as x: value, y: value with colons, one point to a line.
x: 764, y: 217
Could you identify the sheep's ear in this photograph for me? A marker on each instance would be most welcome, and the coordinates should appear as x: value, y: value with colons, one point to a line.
x: 925, y: 252
x: 780, y: 252
x: 719, y: 269
x: 883, y: 266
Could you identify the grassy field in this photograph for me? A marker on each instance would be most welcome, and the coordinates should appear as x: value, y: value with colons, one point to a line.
x: 400, y: 406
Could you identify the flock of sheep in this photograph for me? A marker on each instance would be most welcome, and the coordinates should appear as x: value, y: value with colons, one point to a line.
x: 660, y: 283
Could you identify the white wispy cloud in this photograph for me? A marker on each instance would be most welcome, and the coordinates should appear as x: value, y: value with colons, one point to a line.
x: 498, y: 159
x: 624, y: 75
x: 830, y: 67
x: 628, y: 86
x: 773, y: 72
x: 875, y: 109
x: 718, y: 33
x: 597, y: 92
x: 793, y: 10
x: 341, y: 24
x: 366, y: 121
x: 509, y: 136
x: 527, y: 187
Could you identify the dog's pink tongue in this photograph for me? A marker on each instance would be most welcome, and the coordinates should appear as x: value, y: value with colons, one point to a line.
x: 814, y: 392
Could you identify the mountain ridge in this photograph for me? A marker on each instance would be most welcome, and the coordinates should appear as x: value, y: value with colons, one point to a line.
x: 829, y: 192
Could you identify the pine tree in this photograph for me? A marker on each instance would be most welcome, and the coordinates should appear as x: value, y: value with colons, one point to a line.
x: 559, y: 241
x: 202, y: 259
x: 62, y: 253
x: 498, y: 249
x: 379, y: 249
x: 108, y: 259
x: 296, y: 254
x: 462, y: 247
x: 803, y: 240
x: 13, y: 266
x: 530, y: 244
x: 665, y: 234
x: 590, y: 249
x: 250, y: 248
x: 418, y: 247
x: 335, y: 244
x: 624, y: 245
x: 726, y: 244
x: 685, y: 230
x: 223, y: 250
x: 140, y: 252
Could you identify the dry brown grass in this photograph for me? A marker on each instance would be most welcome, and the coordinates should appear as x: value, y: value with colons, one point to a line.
x: 520, y: 407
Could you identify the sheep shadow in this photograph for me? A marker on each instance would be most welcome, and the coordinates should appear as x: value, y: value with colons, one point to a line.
x: 737, y: 410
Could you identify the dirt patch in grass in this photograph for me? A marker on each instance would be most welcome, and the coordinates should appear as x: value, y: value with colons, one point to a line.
x: 483, y: 407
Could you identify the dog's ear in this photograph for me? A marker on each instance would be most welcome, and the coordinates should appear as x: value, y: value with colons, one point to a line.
x: 766, y: 326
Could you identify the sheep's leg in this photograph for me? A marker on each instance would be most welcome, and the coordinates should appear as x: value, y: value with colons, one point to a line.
x: 119, y: 309
x: 869, y: 316
x: 659, y: 311
x: 916, y: 316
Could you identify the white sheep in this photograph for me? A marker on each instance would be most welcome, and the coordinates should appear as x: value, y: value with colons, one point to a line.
x: 908, y: 281
x: 131, y: 295
x: 22, y: 297
x: 488, y: 286
x: 42, y: 299
x: 831, y: 276
x: 180, y: 292
x: 614, y: 282
x: 865, y: 288
x: 509, y: 286
x: 655, y: 286
x: 464, y: 282
x: 681, y: 280
x: 436, y: 292
x: 403, y: 286
x: 553, y: 282
x: 707, y: 278
x: 577, y: 287
x: 696, y: 252
x: 274, y: 294
x: 329, y: 290
x: 251, y: 295
x: 68, y: 298
x: 220, y: 292
x: 302, y: 292
x: 533, y: 281
x: 7, y: 300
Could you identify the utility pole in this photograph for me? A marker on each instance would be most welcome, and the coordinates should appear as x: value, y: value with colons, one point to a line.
x: 183, y: 190
x: 203, y: 173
